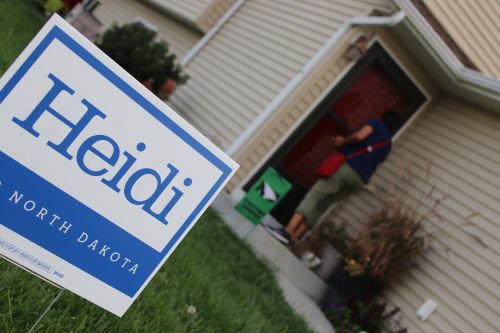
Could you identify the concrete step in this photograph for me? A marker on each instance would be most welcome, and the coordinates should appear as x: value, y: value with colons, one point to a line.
x: 280, y: 257
x: 304, y: 306
x: 301, y: 287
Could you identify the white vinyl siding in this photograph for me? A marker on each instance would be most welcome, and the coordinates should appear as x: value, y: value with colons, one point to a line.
x: 454, y: 147
x: 213, y: 12
x: 187, y: 9
x: 257, y: 52
x: 475, y: 27
x: 201, y: 14
x: 180, y: 37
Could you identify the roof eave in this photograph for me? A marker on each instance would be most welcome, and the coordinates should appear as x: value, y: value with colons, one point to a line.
x: 483, y: 90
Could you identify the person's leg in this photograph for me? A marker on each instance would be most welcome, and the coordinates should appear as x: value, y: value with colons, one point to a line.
x: 294, y: 223
x: 299, y: 231
x: 312, y: 206
x: 320, y: 197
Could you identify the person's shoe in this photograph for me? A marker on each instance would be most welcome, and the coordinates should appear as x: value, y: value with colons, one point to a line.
x: 279, y: 233
x: 311, y: 260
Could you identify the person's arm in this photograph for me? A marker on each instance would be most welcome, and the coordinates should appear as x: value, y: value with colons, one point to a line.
x: 358, y: 136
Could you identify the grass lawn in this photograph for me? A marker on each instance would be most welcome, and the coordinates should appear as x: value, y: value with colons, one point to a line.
x: 212, y: 269
x: 19, y: 21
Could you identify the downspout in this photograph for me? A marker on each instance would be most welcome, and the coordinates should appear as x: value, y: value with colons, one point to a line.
x: 211, y: 33
x: 326, y: 49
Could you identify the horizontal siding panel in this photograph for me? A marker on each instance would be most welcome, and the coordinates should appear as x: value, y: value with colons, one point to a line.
x: 470, y: 198
x: 467, y: 317
x: 481, y: 126
x: 203, y: 122
x: 491, y: 9
x: 300, y: 19
x: 476, y: 145
x: 227, y: 104
x: 232, y: 69
x: 229, y: 88
x: 296, y: 13
x: 286, y: 23
x: 281, y: 37
x: 416, y: 294
x: 416, y: 291
x: 232, y: 119
x: 230, y: 85
x: 265, y: 69
x: 487, y: 27
x: 210, y: 124
x: 459, y: 271
x: 187, y: 9
x: 484, y: 258
x: 294, y: 58
x: 293, y: 49
x: 346, y: 7
x: 481, y: 185
x: 268, y: 58
x: 382, y: 5
x: 467, y: 286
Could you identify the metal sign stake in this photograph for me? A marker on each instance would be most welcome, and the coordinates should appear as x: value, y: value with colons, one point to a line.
x: 32, y: 329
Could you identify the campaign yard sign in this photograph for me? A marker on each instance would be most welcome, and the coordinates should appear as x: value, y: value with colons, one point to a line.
x: 99, y: 179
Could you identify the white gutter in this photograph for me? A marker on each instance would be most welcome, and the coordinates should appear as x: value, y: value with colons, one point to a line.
x: 468, y: 78
x: 326, y: 49
x: 211, y: 33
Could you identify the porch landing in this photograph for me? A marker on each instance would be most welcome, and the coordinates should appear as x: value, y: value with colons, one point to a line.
x: 301, y: 287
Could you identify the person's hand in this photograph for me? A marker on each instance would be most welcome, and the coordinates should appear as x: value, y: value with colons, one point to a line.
x: 339, y: 141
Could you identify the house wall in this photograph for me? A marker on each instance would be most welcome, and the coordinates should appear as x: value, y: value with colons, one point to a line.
x: 180, y: 37
x: 201, y: 14
x: 189, y: 10
x: 212, y: 13
x: 453, y: 148
x: 309, y: 94
x: 475, y: 27
x: 257, y: 52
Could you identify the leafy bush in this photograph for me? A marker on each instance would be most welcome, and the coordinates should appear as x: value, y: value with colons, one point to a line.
x: 133, y: 46
x: 389, y: 244
x: 386, y: 246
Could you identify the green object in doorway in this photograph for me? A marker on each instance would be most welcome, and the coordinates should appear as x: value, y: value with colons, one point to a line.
x: 263, y: 196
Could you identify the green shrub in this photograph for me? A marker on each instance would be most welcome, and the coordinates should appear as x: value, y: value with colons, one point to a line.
x: 134, y: 47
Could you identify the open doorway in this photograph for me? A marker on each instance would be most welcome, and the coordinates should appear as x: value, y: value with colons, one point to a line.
x: 375, y: 84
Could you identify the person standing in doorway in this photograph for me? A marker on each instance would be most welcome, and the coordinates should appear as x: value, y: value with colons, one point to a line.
x: 364, y: 150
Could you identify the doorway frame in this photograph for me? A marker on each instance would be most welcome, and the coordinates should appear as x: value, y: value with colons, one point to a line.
x: 345, y: 76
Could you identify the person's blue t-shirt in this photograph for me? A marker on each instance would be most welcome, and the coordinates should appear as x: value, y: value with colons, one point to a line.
x: 365, y: 164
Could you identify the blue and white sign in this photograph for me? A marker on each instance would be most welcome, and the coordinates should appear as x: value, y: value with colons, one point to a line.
x: 99, y: 179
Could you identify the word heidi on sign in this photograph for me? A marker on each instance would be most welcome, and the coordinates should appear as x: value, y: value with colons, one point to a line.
x: 110, y: 160
x: 99, y: 179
